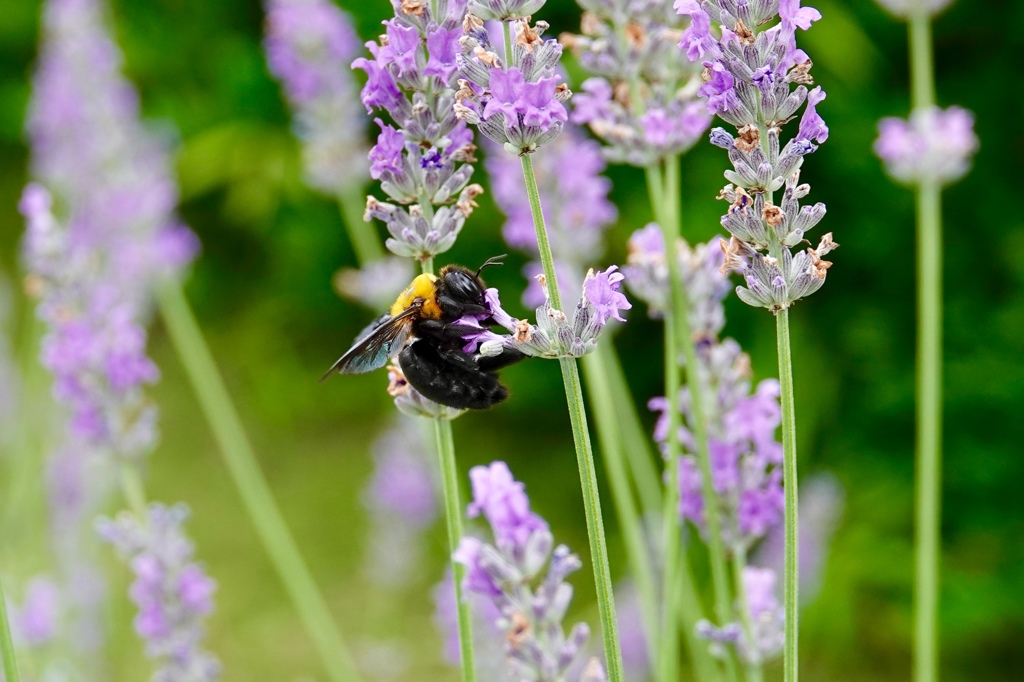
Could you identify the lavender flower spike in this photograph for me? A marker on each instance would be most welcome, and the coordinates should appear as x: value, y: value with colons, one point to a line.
x: 421, y: 161
x: 308, y: 45
x: 635, y: 43
x: 748, y: 77
x: 935, y: 145
x: 525, y: 578
x: 741, y: 420
x: 172, y: 592
x: 555, y: 335
x: 518, y: 105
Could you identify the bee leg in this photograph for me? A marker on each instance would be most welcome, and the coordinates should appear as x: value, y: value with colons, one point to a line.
x: 454, y: 308
x: 492, y: 363
x: 434, y: 375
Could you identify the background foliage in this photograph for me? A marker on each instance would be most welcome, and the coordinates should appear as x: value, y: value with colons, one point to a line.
x: 262, y: 290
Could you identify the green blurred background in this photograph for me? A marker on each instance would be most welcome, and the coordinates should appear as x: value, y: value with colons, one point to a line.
x: 262, y: 291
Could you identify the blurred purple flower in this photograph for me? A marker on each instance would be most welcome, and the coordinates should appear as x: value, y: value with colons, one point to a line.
x: 309, y: 44
x: 94, y: 271
x: 172, y: 592
x: 934, y: 145
x: 671, y: 119
x: 37, y: 619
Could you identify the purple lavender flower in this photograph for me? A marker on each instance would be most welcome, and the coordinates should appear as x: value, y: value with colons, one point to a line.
x: 94, y: 271
x: 935, y: 145
x: 171, y: 591
x: 636, y: 44
x: 308, y: 45
x: 574, y: 195
x: 37, y: 619
x: 523, y: 577
x: 745, y: 457
x: 767, y: 621
x: 503, y: 502
x: 748, y: 82
x: 555, y: 335
x: 421, y: 162
x: 766, y: 615
x: 518, y: 105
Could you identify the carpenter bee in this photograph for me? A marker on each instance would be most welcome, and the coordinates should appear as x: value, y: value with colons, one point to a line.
x: 420, y: 330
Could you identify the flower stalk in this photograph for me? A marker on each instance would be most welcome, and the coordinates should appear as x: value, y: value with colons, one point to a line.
x: 10, y: 664
x: 453, y: 521
x: 678, y: 332
x: 612, y: 445
x: 251, y: 484
x: 584, y: 452
x: 791, y: 580
x: 929, y: 376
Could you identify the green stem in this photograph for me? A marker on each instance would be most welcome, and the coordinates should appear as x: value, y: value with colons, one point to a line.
x: 635, y: 438
x: 668, y: 660
x: 739, y: 563
x: 691, y: 611
x: 10, y: 664
x: 678, y: 332
x: 134, y: 491
x: 581, y: 440
x: 612, y: 446
x: 929, y: 380
x: 252, y: 486
x: 790, y: 660
x: 453, y: 518
x: 929, y: 433
x: 506, y: 32
x: 364, y: 242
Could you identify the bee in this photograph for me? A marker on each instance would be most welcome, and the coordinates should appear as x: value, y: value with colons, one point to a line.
x: 419, y: 329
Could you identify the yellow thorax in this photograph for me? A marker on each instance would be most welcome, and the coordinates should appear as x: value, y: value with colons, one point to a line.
x: 424, y: 287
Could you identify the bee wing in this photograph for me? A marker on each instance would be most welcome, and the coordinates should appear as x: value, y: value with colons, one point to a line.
x: 373, y: 350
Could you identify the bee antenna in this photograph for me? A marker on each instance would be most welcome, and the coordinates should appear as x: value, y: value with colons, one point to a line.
x: 491, y: 261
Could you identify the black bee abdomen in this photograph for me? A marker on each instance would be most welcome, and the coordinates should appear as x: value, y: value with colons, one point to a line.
x: 447, y: 383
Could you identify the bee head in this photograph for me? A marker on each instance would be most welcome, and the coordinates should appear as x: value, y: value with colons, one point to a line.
x: 462, y: 285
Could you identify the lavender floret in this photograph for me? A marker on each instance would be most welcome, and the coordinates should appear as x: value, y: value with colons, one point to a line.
x: 554, y: 335
x: 518, y: 105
